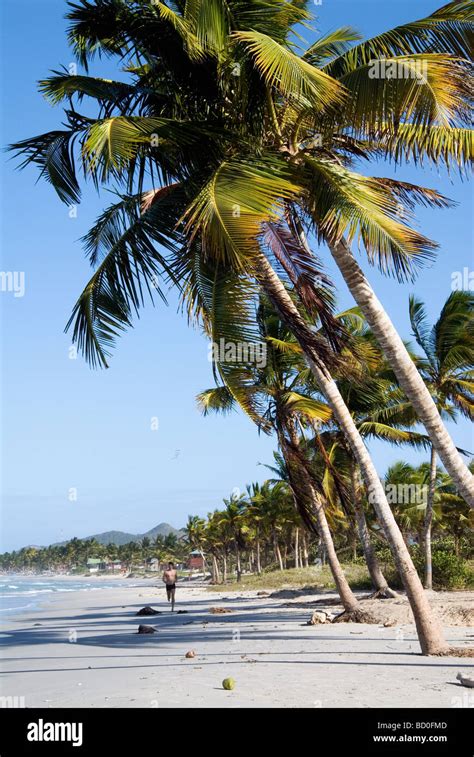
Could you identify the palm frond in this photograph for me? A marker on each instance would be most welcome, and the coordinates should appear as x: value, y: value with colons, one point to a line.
x: 125, y: 239
x: 54, y: 154
x: 437, y: 144
x: 331, y: 45
x: 64, y: 85
x: 304, y: 271
x: 217, y: 400
x: 424, y: 90
x: 293, y: 77
x: 344, y: 202
x: 448, y: 30
x: 420, y: 327
x: 230, y: 209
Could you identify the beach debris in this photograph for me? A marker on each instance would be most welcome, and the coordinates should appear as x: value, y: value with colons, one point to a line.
x: 465, y: 681
x: 319, y: 616
x: 146, y: 629
x: 389, y: 623
x: 219, y: 610
x: 263, y: 594
x: 228, y: 684
x: 148, y: 611
x: 37, y: 624
x: 182, y: 612
x: 189, y: 655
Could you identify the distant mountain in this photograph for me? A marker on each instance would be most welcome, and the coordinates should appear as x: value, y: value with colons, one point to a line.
x: 122, y: 537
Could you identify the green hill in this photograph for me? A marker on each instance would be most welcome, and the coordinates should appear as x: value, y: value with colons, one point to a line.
x: 123, y: 537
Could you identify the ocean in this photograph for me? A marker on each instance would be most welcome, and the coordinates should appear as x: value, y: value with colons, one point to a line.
x: 23, y: 593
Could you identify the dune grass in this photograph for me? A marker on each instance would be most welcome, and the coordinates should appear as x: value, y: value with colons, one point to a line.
x: 297, y: 578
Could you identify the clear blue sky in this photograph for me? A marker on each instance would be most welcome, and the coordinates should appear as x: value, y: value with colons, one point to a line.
x: 65, y: 426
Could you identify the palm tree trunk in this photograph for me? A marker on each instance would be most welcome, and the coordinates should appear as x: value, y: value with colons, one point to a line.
x: 305, y: 492
x: 429, y: 632
x: 297, y: 563
x: 237, y: 562
x: 305, y: 550
x: 404, y: 368
x: 428, y: 520
x: 348, y: 599
x: 259, y: 566
x: 215, y: 570
x: 375, y: 571
x: 277, y: 550
x: 224, y: 566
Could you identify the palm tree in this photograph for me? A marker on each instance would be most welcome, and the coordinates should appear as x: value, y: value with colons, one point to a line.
x: 272, y: 396
x: 238, y: 135
x: 447, y: 368
x: 420, y: 113
x: 195, y: 529
x: 233, y: 517
x: 379, y: 410
x: 455, y: 517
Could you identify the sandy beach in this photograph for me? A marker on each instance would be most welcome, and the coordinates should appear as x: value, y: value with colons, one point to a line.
x: 82, y: 649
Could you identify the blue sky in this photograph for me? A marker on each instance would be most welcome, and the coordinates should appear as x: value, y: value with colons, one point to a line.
x: 78, y: 452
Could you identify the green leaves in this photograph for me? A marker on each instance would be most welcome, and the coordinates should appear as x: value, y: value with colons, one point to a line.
x: 449, y: 349
x: 61, y: 86
x: 54, y: 154
x: 124, y: 240
x: 112, y: 143
x: 424, y: 90
x: 294, y: 78
x: 331, y: 45
x: 229, y: 211
x: 448, y: 30
x: 437, y: 144
x: 347, y: 203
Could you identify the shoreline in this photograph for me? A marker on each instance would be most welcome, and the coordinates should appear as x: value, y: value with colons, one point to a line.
x: 81, y: 649
x: 38, y: 598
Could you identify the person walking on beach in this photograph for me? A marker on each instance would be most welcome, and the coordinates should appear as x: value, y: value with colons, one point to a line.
x: 169, y: 578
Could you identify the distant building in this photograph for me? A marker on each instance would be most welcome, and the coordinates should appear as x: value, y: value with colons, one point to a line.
x: 195, y: 560
x: 95, y: 564
x: 153, y: 564
x: 114, y: 565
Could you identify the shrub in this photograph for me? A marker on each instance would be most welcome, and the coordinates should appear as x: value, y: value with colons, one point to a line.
x: 449, y: 571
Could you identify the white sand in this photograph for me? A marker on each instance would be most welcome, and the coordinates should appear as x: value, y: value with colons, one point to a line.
x: 263, y: 644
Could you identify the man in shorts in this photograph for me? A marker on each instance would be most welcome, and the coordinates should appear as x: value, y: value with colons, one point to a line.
x: 169, y: 578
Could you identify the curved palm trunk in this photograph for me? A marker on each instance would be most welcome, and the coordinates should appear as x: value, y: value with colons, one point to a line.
x: 375, y: 571
x: 297, y: 558
x: 345, y: 592
x: 429, y: 632
x: 303, y: 490
x: 428, y: 520
x: 404, y: 368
